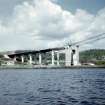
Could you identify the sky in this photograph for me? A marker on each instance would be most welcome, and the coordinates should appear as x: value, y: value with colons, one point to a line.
x: 39, y: 24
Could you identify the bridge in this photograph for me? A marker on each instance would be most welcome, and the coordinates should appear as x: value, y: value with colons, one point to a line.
x: 51, y: 56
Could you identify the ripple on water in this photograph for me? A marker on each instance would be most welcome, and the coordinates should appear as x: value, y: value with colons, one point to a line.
x: 48, y: 90
x: 52, y: 87
x: 90, y: 103
x: 73, y: 100
x: 98, y: 100
x: 13, y: 94
x: 31, y: 98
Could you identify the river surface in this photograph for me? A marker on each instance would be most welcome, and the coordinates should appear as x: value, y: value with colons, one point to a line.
x: 52, y: 87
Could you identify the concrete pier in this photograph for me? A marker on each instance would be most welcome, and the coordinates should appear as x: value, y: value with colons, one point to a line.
x: 52, y: 57
x: 68, y: 52
x: 40, y: 59
x: 22, y: 58
x: 30, y: 59
x: 58, y: 58
x: 14, y: 59
x: 76, y: 56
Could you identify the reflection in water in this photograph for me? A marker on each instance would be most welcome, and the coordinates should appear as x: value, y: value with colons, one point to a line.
x: 52, y: 87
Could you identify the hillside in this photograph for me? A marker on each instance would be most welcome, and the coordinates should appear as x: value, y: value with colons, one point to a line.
x: 96, y: 56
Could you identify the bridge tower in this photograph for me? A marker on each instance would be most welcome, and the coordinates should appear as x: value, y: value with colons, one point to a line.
x: 68, y: 52
x: 72, y: 56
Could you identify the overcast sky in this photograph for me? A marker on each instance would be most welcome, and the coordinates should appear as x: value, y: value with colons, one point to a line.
x: 38, y: 24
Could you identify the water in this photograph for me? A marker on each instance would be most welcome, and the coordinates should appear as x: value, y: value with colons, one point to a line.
x: 52, y: 87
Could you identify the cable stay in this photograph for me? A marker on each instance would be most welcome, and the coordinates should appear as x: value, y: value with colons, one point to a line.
x: 93, y: 41
x: 90, y: 39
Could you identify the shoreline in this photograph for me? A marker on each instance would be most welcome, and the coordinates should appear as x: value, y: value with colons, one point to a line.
x: 49, y: 67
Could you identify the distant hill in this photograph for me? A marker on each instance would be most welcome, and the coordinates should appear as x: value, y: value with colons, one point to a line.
x: 96, y: 56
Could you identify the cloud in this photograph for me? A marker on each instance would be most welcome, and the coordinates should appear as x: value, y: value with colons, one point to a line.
x: 43, y: 24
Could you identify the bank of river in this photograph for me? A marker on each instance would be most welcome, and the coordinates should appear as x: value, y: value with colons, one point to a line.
x: 48, y: 67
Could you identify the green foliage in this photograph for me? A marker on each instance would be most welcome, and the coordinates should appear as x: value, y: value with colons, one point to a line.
x: 94, y: 55
x: 100, y: 63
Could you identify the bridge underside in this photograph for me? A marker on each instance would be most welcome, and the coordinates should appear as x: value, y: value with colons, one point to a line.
x: 49, y: 57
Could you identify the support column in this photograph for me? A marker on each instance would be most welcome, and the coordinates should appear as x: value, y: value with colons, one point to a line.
x: 58, y: 58
x: 14, y: 59
x: 22, y: 58
x: 34, y: 58
x: 76, y: 56
x: 40, y: 59
x: 52, y: 53
x: 30, y: 59
x: 68, y: 52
